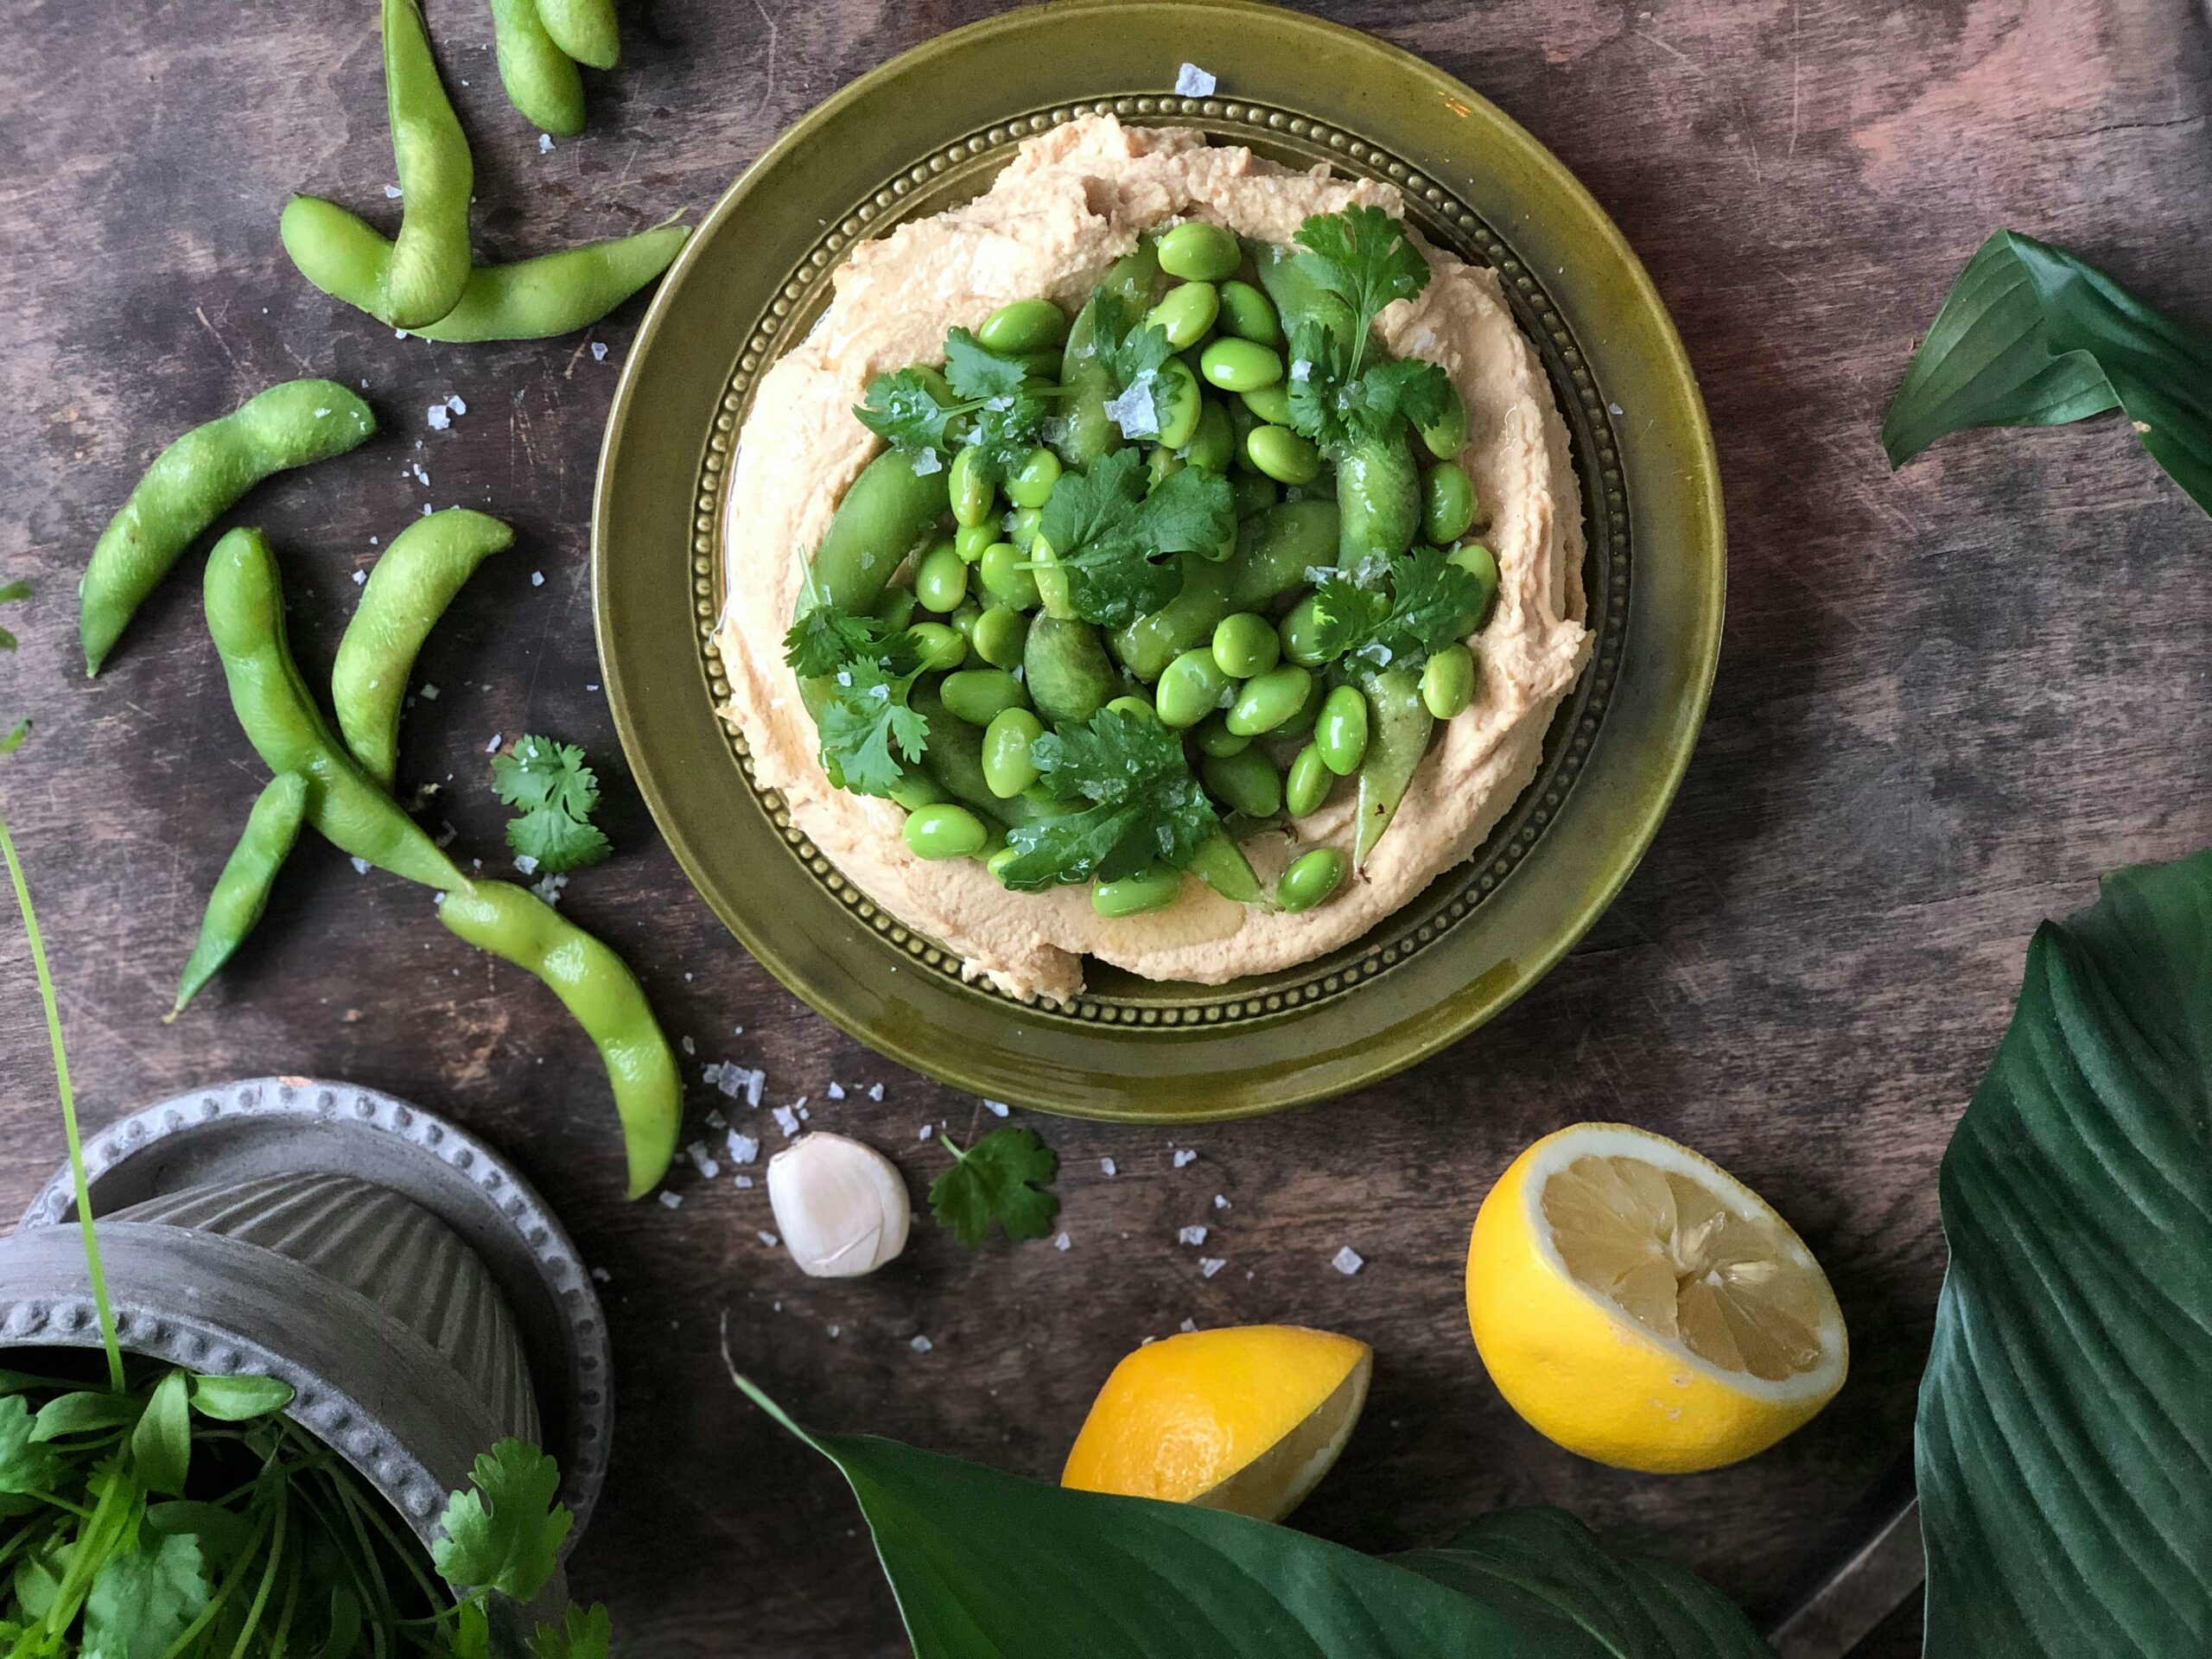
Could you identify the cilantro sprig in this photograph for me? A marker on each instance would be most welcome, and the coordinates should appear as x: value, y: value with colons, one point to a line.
x: 1144, y: 804
x: 555, y: 793
x: 863, y: 672
x: 1111, y: 534
x: 1361, y: 261
x: 1422, y: 604
x: 1134, y: 351
x: 981, y: 398
x: 1002, y: 1177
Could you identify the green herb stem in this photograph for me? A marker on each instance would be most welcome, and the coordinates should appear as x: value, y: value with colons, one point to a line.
x: 68, y: 1111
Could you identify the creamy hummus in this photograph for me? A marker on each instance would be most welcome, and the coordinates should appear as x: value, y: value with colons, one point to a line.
x: 1071, y: 202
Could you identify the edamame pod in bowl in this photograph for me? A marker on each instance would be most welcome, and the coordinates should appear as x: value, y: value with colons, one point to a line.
x: 198, y: 479
x: 405, y: 594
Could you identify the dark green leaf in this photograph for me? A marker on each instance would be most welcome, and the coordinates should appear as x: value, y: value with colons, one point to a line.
x: 1002, y: 1177
x: 160, y: 1447
x: 978, y: 373
x: 504, y: 1535
x: 827, y: 638
x: 1361, y: 255
x: 86, y: 1411
x: 2032, y: 335
x: 141, y: 1602
x: 1189, y: 511
x: 1134, y: 352
x: 26, y: 1465
x: 240, y: 1399
x: 557, y: 793
x: 906, y: 411
x: 16, y: 733
x: 2064, y: 1438
x: 222, y: 1532
x: 557, y: 842
x: 1147, y: 804
x: 1567, y: 1597
x: 586, y: 1633
x: 866, y: 717
x: 987, y: 1565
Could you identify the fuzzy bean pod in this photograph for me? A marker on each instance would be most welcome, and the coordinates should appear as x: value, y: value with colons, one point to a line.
x: 428, y: 266
x: 541, y: 80
x: 245, y: 614
x: 585, y: 29
x: 198, y: 479
x: 605, y: 1000
x: 405, y: 596
x: 241, y: 892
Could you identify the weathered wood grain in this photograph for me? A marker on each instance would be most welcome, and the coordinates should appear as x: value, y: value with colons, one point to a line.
x: 1947, y: 701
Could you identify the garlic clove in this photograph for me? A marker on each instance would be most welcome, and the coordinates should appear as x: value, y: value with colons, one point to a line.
x: 841, y: 1206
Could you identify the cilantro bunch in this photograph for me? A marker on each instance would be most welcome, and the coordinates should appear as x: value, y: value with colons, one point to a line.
x: 548, y: 782
x: 982, y: 399
x: 1144, y: 804
x: 1356, y: 263
x: 1422, y: 604
x: 858, y: 672
x: 1111, y: 535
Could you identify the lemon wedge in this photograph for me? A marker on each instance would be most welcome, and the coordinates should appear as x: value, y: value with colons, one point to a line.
x: 1246, y: 1419
x: 1641, y: 1307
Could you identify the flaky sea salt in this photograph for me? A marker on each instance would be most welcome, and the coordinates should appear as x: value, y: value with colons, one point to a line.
x: 1063, y: 1243
x: 1187, y: 1327
x: 1347, y: 1261
x: 995, y: 1107
x: 1220, y: 1201
x: 1190, y: 1235
x: 836, y: 1091
x: 361, y: 867
x: 875, y: 1091
x: 1135, y: 411
x: 921, y: 1344
x: 1209, y: 1265
x: 672, y: 1200
x: 742, y: 1148
x: 927, y: 1130
x: 1185, y: 1155
x: 440, y: 417
x: 599, y: 350
x: 1191, y: 81
x: 391, y: 193
x: 545, y: 143
x: 926, y: 461
x: 769, y: 1239
x: 1106, y: 1166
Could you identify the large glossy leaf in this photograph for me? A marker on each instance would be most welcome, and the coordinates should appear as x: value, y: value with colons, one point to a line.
x: 988, y: 1566
x: 2031, y: 336
x: 1568, y: 1597
x: 2064, y: 1441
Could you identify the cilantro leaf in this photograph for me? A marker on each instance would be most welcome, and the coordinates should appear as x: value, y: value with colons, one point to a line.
x: 502, y: 1537
x: 1345, y: 615
x: 865, y: 716
x: 1189, y: 511
x: 1109, y: 534
x: 584, y: 1634
x: 1146, y: 805
x: 1335, y: 407
x: 1134, y: 352
x: 1407, y: 388
x: 978, y: 373
x: 906, y: 411
x: 142, y: 1601
x: 26, y: 1465
x: 827, y: 638
x: 557, y: 794
x: 1431, y: 603
x: 9, y: 595
x: 1364, y: 257
x: 1002, y: 1177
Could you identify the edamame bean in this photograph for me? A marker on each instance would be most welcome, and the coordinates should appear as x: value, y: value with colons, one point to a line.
x: 980, y: 695
x: 245, y: 616
x: 605, y: 998
x: 1341, y: 732
x: 584, y: 29
x: 1448, y: 504
x: 541, y: 80
x: 1301, y: 724
x: 1311, y: 878
x: 1307, y: 786
x: 1007, y: 576
x: 973, y: 498
x: 1246, y: 780
x: 1154, y: 887
x: 940, y: 649
x: 1214, y: 737
x: 1006, y: 766
x: 1065, y: 669
x: 194, y: 481
x: 1135, y: 708
x: 1447, y: 683
x: 1215, y: 441
x: 1185, y: 313
x: 941, y: 579
x: 1269, y: 699
x: 531, y: 299
x: 1248, y: 314
x: 1283, y: 455
x: 428, y: 265
x: 1378, y: 496
x: 1255, y: 492
x: 1448, y: 436
x: 963, y: 621
x: 1481, y: 563
x: 1245, y: 645
x: 405, y: 594
x: 1160, y: 463
x: 1240, y: 364
x: 1271, y: 404
x: 945, y: 830
x: 1190, y: 689
x: 1185, y: 404
x: 1200, y: 252
x: 970, y: 540
x: 1301, y: 634
x: 997, y: 862
x: 1023, y: 327
x: 1030, y: 484
x: 1021, y: 526
x: 241, y: 892
x: 998, y: 637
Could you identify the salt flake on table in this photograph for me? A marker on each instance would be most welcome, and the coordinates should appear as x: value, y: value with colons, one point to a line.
x: 742, y: 1148
x: 537, y: 578
x: 527, y: 863
x: 492, y: 748
x: 995, y: 1107
x: 361, y: 866
x: 769, y: 1239
x: 836, y: 1091
x: 1106, y: 1166
x: 1187, y: 1327
x: 602, y: 1275
x: 875, y: 1091
x: 391, y: 193
x: 1209, y: 1265
x: 690, y: 1047
x: 1347, y: 1261
x: 921, y: 1344
x: 927, y: 1131
x: 545, y: 143
x: 744, y: 1180
x: 787, y: 1120
x: 1184, y: 1156
x: 360, y: 576
x: 1063, y: 1243
x: 429, y: 693
x: 454, y: 402
x: 599, y: 350
x: 1191, y: 81
x: 439, y: 416
x: 672, y: 1200
x: 1192, y: 1234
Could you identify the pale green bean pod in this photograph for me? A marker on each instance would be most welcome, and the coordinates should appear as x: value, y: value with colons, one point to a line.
x: 542, y: 81
x: 428, y: 266
x: 584, y: 29
x: 241, y: 892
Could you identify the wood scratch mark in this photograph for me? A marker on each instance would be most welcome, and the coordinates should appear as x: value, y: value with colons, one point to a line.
x: 575, y: 357
x: 768, y: 90
x: 1672, y: 51
x: 221, y: 344
x: 1751, y: 144
x: 1796, y: 65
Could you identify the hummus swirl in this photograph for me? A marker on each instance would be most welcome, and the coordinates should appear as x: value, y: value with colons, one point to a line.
x: 1072, y: 201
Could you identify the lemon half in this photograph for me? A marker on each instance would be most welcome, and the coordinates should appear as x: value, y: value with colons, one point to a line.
x: 1246, y: 1419
x: 1641, y: 1307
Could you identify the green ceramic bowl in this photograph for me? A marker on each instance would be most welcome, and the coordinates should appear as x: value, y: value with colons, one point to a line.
x: 930, y: 129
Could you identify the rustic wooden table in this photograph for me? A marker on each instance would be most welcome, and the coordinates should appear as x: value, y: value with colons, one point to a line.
x: 1947, y: 701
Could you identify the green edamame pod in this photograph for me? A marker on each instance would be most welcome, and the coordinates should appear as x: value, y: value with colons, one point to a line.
x: 245, y: 614
x: 1248, y: 780
x: 596, y: 986
x: 1277, y: 546
x: 1379, y: 492
x: 1089, y: 432
x: 541, y: 80
x: 531, y: 299
x: 1399, y: 728
x: 429, y: 267
x: 406, y: 593
x: 1065, y: 669
x: 886, y: 512
x: 1147, y: 646
x: 584, y: 29
x: 198, y: 479
x: 241, y: 892
x: 1220, y: 864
